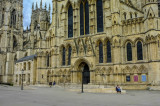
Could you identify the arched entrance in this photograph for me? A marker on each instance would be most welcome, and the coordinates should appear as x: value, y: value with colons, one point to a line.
x: 86, y: 73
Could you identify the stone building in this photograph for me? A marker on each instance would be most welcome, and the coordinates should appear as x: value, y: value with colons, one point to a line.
x: 16, y: 43
x: 107, y: 41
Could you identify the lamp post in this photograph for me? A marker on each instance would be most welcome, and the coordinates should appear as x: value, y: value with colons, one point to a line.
x: 22, y: 80
x: 82, y: 69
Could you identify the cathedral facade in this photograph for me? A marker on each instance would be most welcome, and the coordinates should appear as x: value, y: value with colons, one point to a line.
x: 103, y: 42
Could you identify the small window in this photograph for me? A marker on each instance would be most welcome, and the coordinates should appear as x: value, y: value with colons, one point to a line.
x: 100, y: 52
x: 109, y: 57
x: 125, y: 16
x: 47, y: 60
x: 144, y: 78
x: 63, y: 56
x: 129, y: 52
x: 131, y: 15
x: 139, y: 51
x: 135, y: 15
x: 128, y: 78
x: 136, y: 78
x: 69, y: 55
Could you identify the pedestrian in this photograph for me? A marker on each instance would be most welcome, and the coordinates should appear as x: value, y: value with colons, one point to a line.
x: 54, y: 83
x: 118, y: 89
x: 50, y: 84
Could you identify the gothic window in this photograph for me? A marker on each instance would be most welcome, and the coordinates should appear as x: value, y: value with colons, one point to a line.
x: 139, y: 51
x: 70, y: 22
x: 14, y: 42
x: 15, y: 58
x: 69, y: 55
x: 99, y: 16
x: 81, y: 20
x: 125, y: 16
x: 84, y: 18
x: 159, y: 7
x: 47, y: 60
x: 3, y: 16
x: 63, y: 56
x: 35, y: 24
x: 109, y: 52
x: 13, y: 18
x: 130, y: 15
x: 100, y: 52
x: 129, y: 52
x: 135, y: 15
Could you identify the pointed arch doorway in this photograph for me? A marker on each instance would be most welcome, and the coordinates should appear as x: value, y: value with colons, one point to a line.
x: 86, y: 73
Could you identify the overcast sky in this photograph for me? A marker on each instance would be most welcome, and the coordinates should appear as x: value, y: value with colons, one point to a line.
x: 27, y: 10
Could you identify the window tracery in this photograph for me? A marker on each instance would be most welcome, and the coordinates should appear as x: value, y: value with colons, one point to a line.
x: 63, y: 55
x: 69, y: 55
x: 109, y: 52
x: 139, y: 51
x: 100, y: 52
x: 13, y: 18
x: 84, y: 17
x: 70, y: 22
x: 99, y: 16
x: 129, y: 52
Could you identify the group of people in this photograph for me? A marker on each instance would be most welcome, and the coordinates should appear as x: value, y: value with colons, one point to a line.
x: 50, y: 83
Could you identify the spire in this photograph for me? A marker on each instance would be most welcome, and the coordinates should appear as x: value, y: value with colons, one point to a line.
x: 36, y: 6
x: 45, y: 6
x: 27, y: 28
x: 49, y: 8
x: 32, y: 6
x: 41, y: 5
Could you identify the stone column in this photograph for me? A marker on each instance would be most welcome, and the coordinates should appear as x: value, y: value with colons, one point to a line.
x: 92, y: 76
x: 74, y: 76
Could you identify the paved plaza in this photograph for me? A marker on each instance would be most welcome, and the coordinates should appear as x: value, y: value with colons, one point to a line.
x: 45, y: 96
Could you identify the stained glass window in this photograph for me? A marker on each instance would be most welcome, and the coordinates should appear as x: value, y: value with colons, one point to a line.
x: 129, y: 52
x: 100, y: 52
x: 99, y: 16
x: 139, y: 51
x: 81, y: 20
x: 70, y: 22
x: 86, y: 18
x: 136, y: 78
x: 109, y: 52
x: 128, y: 79
x: 63, y: 56
x: 69, y: 55
x: 144, y: 78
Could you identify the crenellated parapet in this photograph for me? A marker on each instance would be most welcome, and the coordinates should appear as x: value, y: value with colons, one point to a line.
x: 133, y: 26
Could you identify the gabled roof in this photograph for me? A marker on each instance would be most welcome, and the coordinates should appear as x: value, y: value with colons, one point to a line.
x: 27, y: 58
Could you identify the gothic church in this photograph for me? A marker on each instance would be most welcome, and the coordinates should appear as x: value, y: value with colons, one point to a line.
x: 103, y: 42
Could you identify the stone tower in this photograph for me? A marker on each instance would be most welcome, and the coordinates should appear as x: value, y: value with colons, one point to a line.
x: 40, y: 22
x: 151, y: 23
x: 11, y: 39
x: 11, y: 18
